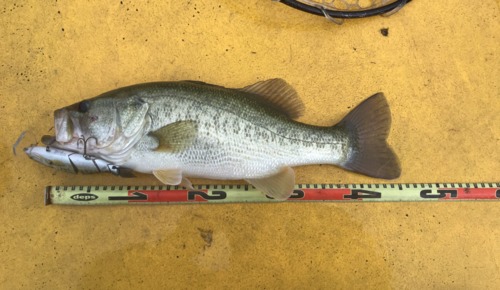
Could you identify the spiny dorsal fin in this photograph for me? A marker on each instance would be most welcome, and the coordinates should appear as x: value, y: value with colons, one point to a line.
x: 200, y: 83
x: 177, y: 136
x: 278, y: 94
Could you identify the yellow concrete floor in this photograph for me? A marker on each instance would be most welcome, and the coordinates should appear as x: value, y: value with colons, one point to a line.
x: 439, y: 68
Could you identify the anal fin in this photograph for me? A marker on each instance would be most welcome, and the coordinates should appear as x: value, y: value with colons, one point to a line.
x: 278, y: 186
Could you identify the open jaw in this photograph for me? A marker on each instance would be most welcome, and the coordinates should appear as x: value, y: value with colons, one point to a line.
x: 72, y: 130
x: 67, y: 133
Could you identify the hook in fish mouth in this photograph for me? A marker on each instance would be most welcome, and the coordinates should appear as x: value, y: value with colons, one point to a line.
x: 50, y: 140
x: 85, y: 141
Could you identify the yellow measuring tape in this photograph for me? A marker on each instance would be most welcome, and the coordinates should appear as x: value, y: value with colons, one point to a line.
x: 133, y: 195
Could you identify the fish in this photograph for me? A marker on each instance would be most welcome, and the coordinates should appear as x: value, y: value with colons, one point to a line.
x: 73, y: 162
x: 180, y: 129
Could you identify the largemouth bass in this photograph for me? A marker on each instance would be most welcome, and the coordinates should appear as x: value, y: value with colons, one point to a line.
x: 185, y: 129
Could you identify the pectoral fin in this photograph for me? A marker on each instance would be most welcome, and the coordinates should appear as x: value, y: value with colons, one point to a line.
x: 177, y: 136
x: 279, y: 186
x: 169, y: 176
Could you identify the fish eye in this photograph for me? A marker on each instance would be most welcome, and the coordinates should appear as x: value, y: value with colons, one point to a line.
x: 84, y: 106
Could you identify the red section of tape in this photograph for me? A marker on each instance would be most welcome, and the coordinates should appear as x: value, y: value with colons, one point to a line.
x: 163, y: 195
x: 471, y: 193
x: 315, y: 194
x: 320, y: 194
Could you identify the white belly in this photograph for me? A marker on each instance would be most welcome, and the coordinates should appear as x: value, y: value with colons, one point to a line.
x: 239, y: 160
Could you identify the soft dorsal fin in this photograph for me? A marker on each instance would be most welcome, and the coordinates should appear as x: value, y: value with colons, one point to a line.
x: 278, y: 94
x: 177, y: 136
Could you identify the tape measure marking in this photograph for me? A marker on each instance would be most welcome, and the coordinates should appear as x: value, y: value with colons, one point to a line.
x: 109, y: 195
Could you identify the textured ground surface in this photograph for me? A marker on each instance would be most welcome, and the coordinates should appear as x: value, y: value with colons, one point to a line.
x: 438, y: 66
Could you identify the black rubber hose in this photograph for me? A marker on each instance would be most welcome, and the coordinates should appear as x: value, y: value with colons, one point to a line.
x: 344, y: 14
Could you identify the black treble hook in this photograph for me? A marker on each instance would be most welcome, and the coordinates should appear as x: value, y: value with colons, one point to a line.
x: 84, y: 141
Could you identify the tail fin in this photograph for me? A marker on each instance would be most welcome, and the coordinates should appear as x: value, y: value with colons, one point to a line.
x: 368, y: 127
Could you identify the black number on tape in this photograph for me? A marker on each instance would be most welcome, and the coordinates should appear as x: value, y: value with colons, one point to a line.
x: 297, y: 193
x: 216, y: 195
x: 360, y: 193
x: 427, y: 193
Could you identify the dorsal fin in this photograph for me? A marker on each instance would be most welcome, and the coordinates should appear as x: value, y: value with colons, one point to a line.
x: 200, y: 83
x: 278, y: 94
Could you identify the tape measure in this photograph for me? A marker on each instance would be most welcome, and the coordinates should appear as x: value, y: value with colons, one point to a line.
x: 116, y: 195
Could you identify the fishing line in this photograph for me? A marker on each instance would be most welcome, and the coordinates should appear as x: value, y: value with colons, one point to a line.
x: 20, y: 138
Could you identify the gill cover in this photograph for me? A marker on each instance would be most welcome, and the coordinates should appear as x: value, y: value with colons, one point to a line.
x: 133, y: 124
x: 108, y: 126
x: 131, y: 115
